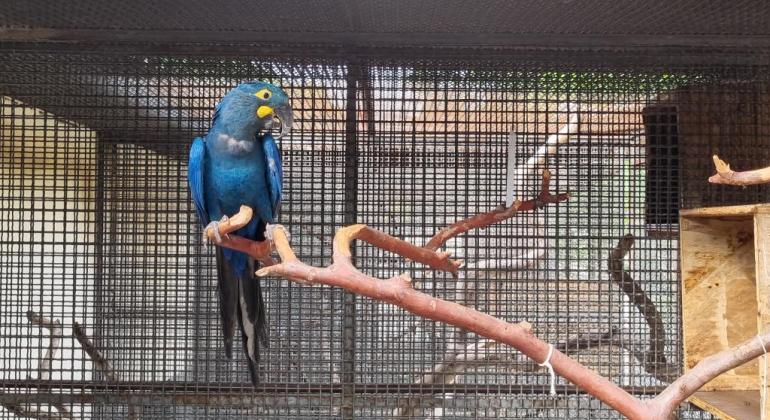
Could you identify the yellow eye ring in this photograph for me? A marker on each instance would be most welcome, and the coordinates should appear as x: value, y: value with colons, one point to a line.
x: 263, y: 94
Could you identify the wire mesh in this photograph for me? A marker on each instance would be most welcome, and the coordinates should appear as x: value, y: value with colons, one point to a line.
x: 98, y: 229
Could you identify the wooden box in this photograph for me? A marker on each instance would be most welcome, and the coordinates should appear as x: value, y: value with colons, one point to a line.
x: 725, y: 291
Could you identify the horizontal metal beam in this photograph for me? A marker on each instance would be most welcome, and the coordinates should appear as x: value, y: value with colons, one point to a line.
x: 193, y: 390
x: 377, y: 39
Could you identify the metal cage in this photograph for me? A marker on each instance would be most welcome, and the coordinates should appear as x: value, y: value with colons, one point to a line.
x: 98, y: 228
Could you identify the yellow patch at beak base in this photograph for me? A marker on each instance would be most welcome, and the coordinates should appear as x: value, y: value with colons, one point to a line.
x: 264, y: 111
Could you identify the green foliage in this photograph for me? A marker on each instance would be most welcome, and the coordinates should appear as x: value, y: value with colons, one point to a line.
x: 208, y: 67
x: 557, y: 81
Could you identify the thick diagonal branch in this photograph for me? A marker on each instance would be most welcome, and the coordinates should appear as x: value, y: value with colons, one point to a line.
x: 398, y: 291
x: 725, y: 175
x: 100, y: 362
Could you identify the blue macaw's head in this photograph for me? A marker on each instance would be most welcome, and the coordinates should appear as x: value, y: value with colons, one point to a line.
x: 255, y: 107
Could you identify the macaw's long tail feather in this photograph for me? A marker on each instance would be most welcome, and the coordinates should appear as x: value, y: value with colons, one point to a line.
x: 252, y: 320
x: 240, y: 298
x: 228, y: 300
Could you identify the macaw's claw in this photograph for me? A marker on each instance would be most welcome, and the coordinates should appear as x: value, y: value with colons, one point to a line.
x: 269, y: 228
x: 214, y: 226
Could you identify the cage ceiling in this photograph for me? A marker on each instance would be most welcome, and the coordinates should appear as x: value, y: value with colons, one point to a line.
x: 397, y: 23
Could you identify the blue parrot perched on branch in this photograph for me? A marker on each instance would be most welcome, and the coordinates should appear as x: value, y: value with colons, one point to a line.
x: 238, y: 163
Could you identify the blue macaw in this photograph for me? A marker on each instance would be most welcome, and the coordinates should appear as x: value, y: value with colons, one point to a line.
x: 237, y: 162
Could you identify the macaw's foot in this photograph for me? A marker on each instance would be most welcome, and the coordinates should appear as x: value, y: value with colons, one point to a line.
x: 269, y: 231
x: 214, y: 227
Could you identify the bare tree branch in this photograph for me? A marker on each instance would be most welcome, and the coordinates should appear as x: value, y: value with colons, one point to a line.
x: 54, y: 328
x: 498, y: 215
x: 515, y: 176
x: 727, y: 176
x: 707, y: 369
x: 654, y: 360
x: 99, y: 361
x: 43, y: 370
x: 27, y: 412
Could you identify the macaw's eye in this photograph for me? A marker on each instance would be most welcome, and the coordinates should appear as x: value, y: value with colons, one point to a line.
x: 263, y: 94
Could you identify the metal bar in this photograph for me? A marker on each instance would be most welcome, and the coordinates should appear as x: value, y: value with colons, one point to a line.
x: 348, y: 376
x: 202, y: 393
x: 104, y: 151
x: 476, y: 40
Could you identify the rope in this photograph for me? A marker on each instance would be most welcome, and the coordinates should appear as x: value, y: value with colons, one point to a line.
x: 547, y: 364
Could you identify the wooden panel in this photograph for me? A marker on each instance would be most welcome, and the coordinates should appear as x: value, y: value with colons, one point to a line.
x: 729, y: 405
x: 718, y: 294
x: 762, y: 248
x: 728, y: 211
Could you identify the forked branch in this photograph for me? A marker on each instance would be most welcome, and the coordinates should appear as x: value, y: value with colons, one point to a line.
x: 499, y: 214
x: 398, y: 291
x: 43, y: 371
x: 725, y: 175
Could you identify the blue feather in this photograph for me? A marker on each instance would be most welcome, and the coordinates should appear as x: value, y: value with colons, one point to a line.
x: 274, y: 173
x: 195, y: 178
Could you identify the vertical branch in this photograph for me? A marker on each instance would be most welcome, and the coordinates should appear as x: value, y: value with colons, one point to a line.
x: 654, y: 361
x: 54, y: 328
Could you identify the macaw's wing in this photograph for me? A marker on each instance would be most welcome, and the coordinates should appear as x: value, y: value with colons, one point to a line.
x: 274, y: 173
x: 227, y: 279
x: 195, y: 178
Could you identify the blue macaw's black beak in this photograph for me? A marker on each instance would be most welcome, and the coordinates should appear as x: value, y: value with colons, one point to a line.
x: 284, y: 114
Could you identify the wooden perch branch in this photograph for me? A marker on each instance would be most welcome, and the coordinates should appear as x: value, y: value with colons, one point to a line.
x: 259, y: 251
x: 455, y: 363
x: 727, y: 176
x: 398, y: 291
x: 708, y: 369
x: 498, y: 215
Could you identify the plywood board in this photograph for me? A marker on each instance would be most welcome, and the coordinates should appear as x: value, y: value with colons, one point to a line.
x: 742, y: 212
x: 729, y: 405
x: 762, y: 256
x: 719, y: 294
